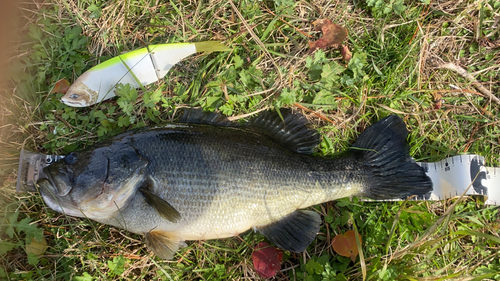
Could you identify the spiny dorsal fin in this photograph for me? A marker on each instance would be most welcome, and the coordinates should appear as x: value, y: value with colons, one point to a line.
x: 294, y: 232
x: 198, y: 116
x: 291, y: 131
x: 163, y: 244
x: 161, y: 206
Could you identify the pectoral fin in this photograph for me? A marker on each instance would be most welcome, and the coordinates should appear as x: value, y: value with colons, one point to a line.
x: 163, y: 244
x: 294, y: 232
x: 161, y: 206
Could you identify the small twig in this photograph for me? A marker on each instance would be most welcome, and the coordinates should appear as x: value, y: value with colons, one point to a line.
x: 184, y: 255
x: 128, y: 256
x: 355, y: 114
x: 234, y: 118
x: 397, y: 24
x: 458, y: 90
x: 289, y: 24
x: 471, y: 140
x: 391, y: 109
x: 485, y: 69
x: 290, y: 268
x: 422, y: 15
x: 423, y: 56
x: 314, y: 112
x: 65, y: 122
x: 462, y: 72
x: 240, y: 33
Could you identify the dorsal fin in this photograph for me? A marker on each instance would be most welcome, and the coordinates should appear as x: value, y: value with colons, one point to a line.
x: 198, y: 116
x: 291, y: 131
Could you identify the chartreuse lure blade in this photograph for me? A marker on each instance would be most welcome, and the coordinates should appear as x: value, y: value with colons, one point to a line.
x: 137, y: 68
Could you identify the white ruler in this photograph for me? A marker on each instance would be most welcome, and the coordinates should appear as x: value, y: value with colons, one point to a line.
x: 450, y: 177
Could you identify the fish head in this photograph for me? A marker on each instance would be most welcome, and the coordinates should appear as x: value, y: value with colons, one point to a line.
x: 80, y: 94
x: 94, y: 183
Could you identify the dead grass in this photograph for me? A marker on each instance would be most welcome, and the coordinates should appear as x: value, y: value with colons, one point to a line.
x: 409, y: 86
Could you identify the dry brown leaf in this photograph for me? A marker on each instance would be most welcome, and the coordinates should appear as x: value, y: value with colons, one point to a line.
x: 437, y: 99
x: 346, y: 54
x: 61, y: 86
x: 333, y: 35
x: 345, y: 244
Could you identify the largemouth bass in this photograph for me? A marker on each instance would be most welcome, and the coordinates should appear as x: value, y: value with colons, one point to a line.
x: 209, y: 178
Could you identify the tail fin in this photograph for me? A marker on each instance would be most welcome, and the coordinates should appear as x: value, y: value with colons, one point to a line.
x: 210, y: 46
x: 382, y: 148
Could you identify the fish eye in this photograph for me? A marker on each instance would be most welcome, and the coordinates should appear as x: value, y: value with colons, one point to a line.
x: 70, y: 159
x: 74, y: 96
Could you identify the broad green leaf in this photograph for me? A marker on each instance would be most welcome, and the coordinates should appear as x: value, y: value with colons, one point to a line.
x: 36, y: 246
x: 117, y: 266
x: 313, y: 267
x: 33, y: 259
x: 6, y: 246
x: 238, y: 62
x: 85, y: 277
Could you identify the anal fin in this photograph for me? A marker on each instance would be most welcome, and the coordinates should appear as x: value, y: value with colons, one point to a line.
x: 294, y: 232
x: 163, y: 244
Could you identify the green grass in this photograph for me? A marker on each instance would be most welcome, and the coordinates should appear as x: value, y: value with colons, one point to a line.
x: 395, y: 45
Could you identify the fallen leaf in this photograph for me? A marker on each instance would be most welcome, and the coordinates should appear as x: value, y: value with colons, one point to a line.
x: 37, y: 247
x: 346, y: 54
x: 437, y: 100
x: 61, y: 86
x: 333, y: 35
x: 345, y: 244
x: 266, y: 260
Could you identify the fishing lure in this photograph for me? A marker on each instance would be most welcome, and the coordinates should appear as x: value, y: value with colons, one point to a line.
x: 138, y: 68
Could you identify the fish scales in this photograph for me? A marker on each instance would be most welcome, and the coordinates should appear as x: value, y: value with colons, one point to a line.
x: 215, y: 179
x: 219, y: 177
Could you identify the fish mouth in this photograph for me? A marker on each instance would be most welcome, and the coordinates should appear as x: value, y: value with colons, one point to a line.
x: 55, y: 201
x: 49, y: 194
x: 59, y: 185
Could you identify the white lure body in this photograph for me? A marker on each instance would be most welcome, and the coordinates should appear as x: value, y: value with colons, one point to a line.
x: 137, y: 68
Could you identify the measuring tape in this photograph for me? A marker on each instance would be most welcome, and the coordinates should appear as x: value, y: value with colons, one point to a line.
x: 450, y: 177
x: 455, y: 175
